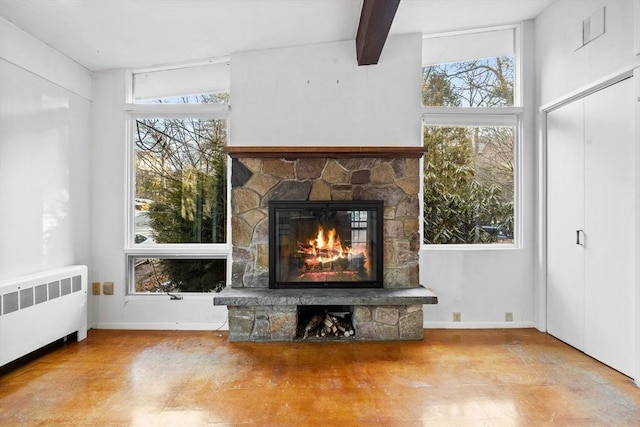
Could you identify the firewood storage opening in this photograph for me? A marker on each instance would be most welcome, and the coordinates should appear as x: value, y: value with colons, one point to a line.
x: 320, y: 323
x: 325, y: 244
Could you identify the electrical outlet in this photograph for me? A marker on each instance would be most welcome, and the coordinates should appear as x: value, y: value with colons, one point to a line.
x: 457, y: 317
x: 107, y: 288
x: 508, y: 317
x: 95, y: 288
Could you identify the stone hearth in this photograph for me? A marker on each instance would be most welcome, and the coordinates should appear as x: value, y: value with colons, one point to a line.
x: 261, y: 174
x: 272, y: 314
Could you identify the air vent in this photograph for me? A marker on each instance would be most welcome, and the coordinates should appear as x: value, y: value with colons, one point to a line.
x: 10, y: 303
x: 27, y: 297
x: 65, y: 286
x: 54, y: 290
x: 38, y: 309
x: 41, y: 293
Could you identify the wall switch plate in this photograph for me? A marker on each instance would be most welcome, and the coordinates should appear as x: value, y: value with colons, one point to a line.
x: 95, y: 288
x: 107, y: 288
x: 457, y: 317
x: 508, y: 317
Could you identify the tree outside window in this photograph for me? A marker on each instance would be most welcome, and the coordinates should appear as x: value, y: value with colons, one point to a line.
x: 180, y: 193
x: 469, y: 170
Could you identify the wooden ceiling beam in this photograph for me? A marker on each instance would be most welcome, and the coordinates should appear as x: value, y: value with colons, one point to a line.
x: 375, y: 21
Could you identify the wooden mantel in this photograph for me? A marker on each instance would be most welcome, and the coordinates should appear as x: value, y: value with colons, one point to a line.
x: 331, y: 152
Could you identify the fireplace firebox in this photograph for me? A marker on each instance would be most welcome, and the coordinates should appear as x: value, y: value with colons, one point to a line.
x: 325, y: 244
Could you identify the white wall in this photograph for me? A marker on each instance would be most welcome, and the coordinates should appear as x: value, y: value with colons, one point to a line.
x: 564, y: 70
x: 318, y: 96
x: 563, y: 67
x: 484, y: 283
x: 62, y: 197
x: 380, y: 105
x: 44, y: 156
x: 264, y: 107
x: 637, y: 207
x: 108, y: 235
x: 273, y: 104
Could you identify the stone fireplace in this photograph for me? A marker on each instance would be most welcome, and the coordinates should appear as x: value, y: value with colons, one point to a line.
x: 311, y: 178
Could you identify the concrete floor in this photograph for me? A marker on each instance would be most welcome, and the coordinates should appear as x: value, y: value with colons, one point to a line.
x: 452, y: 378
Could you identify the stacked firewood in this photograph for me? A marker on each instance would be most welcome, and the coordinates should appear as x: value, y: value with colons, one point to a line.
x: 328, y: 325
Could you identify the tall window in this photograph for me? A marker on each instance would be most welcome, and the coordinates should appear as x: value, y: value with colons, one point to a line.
x: 177, y: 206
x: 471, y: 117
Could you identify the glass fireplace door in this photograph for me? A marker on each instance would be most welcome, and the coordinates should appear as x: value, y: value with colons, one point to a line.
x: 325, y: 244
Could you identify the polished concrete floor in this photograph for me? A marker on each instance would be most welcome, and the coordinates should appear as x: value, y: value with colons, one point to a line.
x: 452, y: 378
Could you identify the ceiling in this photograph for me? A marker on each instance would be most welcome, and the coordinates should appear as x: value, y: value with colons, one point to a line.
x: 108, y: 34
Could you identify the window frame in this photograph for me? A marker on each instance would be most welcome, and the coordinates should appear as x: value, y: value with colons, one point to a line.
x: 484, y: 116
x: 166, y: 250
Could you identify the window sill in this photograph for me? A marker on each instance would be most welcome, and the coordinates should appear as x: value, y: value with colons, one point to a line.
x: 213, y: 250
x: 470, y: 248
x: 186, y: 296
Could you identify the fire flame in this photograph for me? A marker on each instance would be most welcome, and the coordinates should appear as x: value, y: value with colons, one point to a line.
x: 326, y: 247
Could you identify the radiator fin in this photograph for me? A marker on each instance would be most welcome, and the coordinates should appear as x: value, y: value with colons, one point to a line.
x: 10, y: 303
x: 76, y: 283
x: 65, y: 286
x: 41, y: 293
x: 26, y: 298
x: 54, y: 290
x: 40, y: 308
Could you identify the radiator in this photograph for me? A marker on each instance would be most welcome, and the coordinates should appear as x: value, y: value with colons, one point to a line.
x: 38, y: 309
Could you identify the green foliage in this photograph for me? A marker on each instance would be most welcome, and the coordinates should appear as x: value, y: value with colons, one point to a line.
x: 192, y: 209
x: 437, y: 90
x: 456, y: 205
x: 468, y: 172
x: 194, y: 275
x: 181, y: 168
x: 180, y: 275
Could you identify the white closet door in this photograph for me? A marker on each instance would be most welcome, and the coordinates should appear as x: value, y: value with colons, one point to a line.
x: 565, y: 215
x: 610, y: 226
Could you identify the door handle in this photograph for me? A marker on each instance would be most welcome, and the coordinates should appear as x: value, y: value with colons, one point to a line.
x: 578, y: 237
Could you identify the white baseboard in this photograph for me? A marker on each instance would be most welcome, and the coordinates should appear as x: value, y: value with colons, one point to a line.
x: 164, y: 326
x: 217, y: 326
x: 479, y: 325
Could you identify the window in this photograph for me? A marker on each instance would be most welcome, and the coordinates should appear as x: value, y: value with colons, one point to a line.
x: 486, y: 82
x: 177, y: 201
x: 164, y: 85
x: 180, y: 178
x: 174, y: 275
x: 471, y: 118
x: 468, y: 193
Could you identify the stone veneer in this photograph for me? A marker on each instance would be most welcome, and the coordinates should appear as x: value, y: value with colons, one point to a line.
x: 256, y: 180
